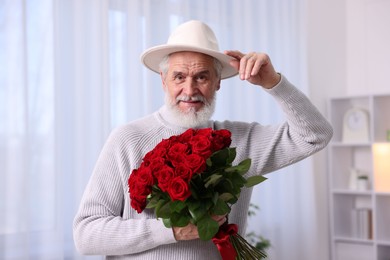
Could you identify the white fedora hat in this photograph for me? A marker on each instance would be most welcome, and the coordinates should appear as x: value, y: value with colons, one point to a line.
x: 193, y: 36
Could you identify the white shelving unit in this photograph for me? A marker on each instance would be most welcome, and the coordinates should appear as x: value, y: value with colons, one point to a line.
x: 360, y: 218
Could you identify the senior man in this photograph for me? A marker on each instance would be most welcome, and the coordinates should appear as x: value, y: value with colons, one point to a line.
x: 191, y: 68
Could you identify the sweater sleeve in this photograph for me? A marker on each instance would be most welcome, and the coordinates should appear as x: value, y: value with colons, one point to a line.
x: 304, y: 132
x: 104, y: 224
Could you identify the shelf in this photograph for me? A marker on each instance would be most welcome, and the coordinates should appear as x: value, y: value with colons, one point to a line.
x: 354, y: 240
x: 360, y: 209
x: 383, y: 243
x: 384, y: 194
x: 352, y: 192
x: 342, y: 144
x: 353, y: 250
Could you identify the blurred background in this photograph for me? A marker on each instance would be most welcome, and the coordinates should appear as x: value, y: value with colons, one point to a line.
x: 70, y: 72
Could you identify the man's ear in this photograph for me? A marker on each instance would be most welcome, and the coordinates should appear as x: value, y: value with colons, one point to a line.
x: 163, y: 81
x: 219, y: 85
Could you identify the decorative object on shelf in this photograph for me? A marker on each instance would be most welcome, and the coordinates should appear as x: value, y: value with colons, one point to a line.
x: 358, y: 180
x: 362, y: 183
x: 362, y: 224
x: 356, y: 126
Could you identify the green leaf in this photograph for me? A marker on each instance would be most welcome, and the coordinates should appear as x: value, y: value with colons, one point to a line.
x: 167, y: 222
x: 194, y: 189
x: 222, y: 157
x: 153, y: 202
x: 226, y: 196
x: 241, y: 168
x: 207, y: 228
x: 221, y: 208
x: 233, y: 183
x: 232, y: 155
x: 198, y: 212
x: 227, y: 186
x: 179, y: 219
x: 177, y: 205
x: 209, y: 163
x: 254, y: 180
x: 159, y: 204
x: 193, y: 204
x: 213, y: 180
x: 164, y: 211
x: 197, y: 208
x: 215, y: 197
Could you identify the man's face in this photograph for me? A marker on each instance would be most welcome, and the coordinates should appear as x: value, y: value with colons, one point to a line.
x: 190, y: 82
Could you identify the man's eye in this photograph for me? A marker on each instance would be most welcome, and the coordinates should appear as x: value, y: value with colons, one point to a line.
x: 179, y: 78
x: 201, y: 78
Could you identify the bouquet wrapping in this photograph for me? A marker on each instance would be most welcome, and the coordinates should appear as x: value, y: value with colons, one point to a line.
x: 188, y: 178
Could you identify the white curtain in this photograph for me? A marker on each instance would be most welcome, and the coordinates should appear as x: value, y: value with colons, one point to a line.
x: 70, y: 72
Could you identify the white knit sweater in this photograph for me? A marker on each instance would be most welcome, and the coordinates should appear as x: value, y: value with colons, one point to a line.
x: 106, y: 224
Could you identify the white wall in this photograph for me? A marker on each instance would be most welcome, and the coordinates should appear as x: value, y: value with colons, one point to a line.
x: 327, y: 70
x: 368, y: 46
x: 349, y: 54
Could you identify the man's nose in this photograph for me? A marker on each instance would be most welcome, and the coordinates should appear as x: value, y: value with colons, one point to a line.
x: 190, y: 88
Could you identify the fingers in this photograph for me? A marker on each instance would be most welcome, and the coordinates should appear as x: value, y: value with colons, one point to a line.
x: 219, y: 219
x: 248, y: 65
x: 188, y: 232
x: 252, y: 64
x: 235, y: 54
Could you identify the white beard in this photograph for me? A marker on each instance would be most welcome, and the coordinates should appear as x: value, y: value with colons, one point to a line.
x: 190, y: 118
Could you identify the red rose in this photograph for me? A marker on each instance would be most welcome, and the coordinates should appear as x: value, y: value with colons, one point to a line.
x: 183, y: 171
x: 174, y: 139
x: 221, y: 139
x: 156, y: 153
x: 178, y: 148
x: 138, y: 202
x: 133, y: 182
x: 201, y: 145
x: 177, y: 152
x: 179, y: 189
x: 156, y: 164
x: 164, y: 144
x: 164, y: 177
x: 177, y: 159
x: 196, y: 163
x: 186, y: 136
x: 205, y: 132
x: 144, y: 178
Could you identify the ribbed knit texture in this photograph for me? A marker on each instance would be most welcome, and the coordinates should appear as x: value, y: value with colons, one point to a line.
x: 106, y: 224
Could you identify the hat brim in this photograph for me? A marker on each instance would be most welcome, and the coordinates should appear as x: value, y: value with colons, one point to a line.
x: 152, y: 57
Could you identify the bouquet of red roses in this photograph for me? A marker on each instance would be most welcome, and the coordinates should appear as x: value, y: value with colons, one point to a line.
x: 188, y: 178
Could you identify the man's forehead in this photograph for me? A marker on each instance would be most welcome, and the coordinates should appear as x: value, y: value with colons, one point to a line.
x: 190, y: 61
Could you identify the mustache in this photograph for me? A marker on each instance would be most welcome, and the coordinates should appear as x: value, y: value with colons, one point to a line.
x: 194, y: 98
